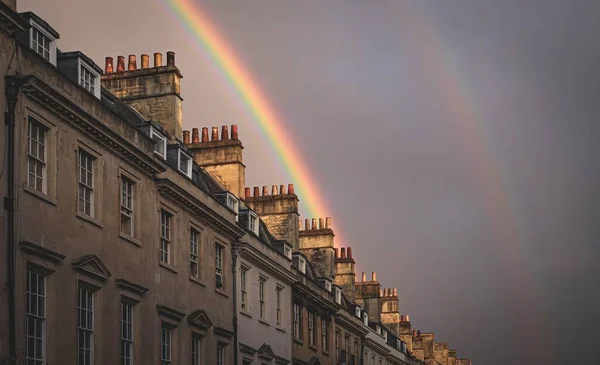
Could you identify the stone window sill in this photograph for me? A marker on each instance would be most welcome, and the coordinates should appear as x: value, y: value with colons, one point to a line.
x: 130, y: 239
x: 244, y: 312
x: 264, y: 322
x: 38, y: 194
x: 313, y: 347
x: 89, y: 219
x: 168, y: 267
x: 325, y: 352
x: 221, y: 292
x: 279, y: 328
x: 299, y: 342
x: 197, y: 281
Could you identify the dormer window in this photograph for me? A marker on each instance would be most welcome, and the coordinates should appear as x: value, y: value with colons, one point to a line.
x: 338, y: 295
x: 90, y: 80
x: 357, y: 312
x: 328, y: 285
x: 253, y: 223
x: 302, y: 265
x: 385, y: 335
x: 366, y: 318
x: 287, y: 251
x: 185, y: 163
x: 233, y: 204
x: 42, y: 42
x: 160, y: 142
x: 378, y: 330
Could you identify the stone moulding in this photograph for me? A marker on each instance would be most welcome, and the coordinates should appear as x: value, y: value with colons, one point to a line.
x: 129, y: 286
x: 170, y: 313
x: 200, y: 319
x: 10, y: 21
x: 82, y: 264
x: 220, y: 331
x: 66, y: 110
x: 180, y: 196
x: 41, y: 252
x: 257, y: 258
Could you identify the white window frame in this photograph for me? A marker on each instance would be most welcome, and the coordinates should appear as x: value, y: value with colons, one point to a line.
x: 302, y: 265
x: 324, y: 333
x: 262, y: 293
x: 233, y: 204
x: 219, y: 263
x: 85, y: 326
x: 127, y: 335
x: 287, y: 251
x: 37, y: 158
x: 166, y: 226
x: 243, y: 288
x: 166, y: 345
x: 194, y: 252
x: 278, y: 291
x: 127, y: 203
x: 297, y: 321
x: 96, y: 85
x: 156, y: 135
x: 220, y: 355
x: 357, y: 312
x: 86, y: 185
x: 366, y: 319
x: 311, y: 329
x: 338, y: 295
x: 188, y: 169
x: 196, y: 350
x: 52, y: 51
x: 35, y: 313
x: 253, y: 222
x: 328, y: 285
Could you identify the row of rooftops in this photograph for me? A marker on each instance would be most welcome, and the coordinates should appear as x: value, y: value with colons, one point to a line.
x: 173, y: 152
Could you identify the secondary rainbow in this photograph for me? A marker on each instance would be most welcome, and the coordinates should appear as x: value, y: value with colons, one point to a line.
x: 207, y: 36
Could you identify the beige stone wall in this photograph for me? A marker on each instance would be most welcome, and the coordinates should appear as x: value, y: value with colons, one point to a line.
x: 367, y: 296
x: 345, y: 277
x: 50, y: 220
x: 317, y: 245
x: 441, y: 353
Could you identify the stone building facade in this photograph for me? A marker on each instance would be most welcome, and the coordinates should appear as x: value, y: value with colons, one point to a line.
x: 136, y: 241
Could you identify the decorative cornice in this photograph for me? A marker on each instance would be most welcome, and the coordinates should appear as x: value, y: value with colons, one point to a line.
x: 321, y: 302
x: 132, y: 287
x: 10, y: 21
x: 220, y: 331
x: 375, y: 344
x: 200, y: 319
x: 247, y: 349
x: 260, y: 260
x: 55, y: 102
x: 81, y: 264
x: 170, y: 313
x: 183, y: 198
x: 281, y: 360
x: 349, y: 323
x: 41, y: 252
x: 266, y: 352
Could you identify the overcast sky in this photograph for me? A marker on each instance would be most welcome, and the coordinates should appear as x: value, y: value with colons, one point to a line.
x: 456, y: 143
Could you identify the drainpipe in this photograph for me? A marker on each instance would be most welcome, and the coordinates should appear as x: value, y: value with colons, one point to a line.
x: 234, y: 256
x: 12, y: 86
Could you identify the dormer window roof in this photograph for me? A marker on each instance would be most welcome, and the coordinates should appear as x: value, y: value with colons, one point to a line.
x: 81, y: 69
x: 42, y: 37
x: 302, y: 265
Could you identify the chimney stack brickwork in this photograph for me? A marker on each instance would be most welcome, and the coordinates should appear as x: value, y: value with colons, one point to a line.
x: 345, y: 276
x: 316, y: 242
x: 221, y: 156
x: 279, y: 211
x: 368, y: 296
x: 154, y: 92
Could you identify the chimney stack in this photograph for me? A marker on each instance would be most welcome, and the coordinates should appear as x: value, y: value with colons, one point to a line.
x: 328, y: 222
x: 299, y: 224
x: 282, y: 189
x: 364, y: 276
x: 307, y: 224
x: 132, y: 63
x: 373, y: 276
x: 120, y: 64
x: 265, y: 191
x: 215, y: 134
x: 337, y: 252
x: 349, y: 252
x: 256, y: 191
x: 170, y: 58
x: 274, y: 190
x: 321, y: 223
x: 145, y: 61
x: 395, y: 292
x: 186, y: 137
x: 247, y: 193
x: 157, y: 59
x: 343, y: 253
x: 234, y: 131
x: 290, y: 188
x: 204, y: 134
x: 195, y: 138
x: 314, y: 224
x: 108, y: 65
x: 224, y: 133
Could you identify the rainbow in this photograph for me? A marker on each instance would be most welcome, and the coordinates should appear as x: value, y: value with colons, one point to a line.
x: 468, y: 118
x: 206, y: 35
